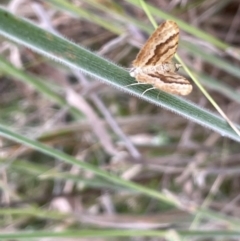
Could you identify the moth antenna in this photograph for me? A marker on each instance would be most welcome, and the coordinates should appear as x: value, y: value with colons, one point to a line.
x: 136, y: 84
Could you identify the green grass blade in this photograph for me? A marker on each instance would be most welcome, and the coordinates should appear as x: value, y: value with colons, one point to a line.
x: 69, y: 159
x: 119, y: 233
x: 70, y: 54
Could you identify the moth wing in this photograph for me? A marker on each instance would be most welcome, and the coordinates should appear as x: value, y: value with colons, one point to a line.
x: 173, y: 83
x: 160, y: 47
x: 169, y: 82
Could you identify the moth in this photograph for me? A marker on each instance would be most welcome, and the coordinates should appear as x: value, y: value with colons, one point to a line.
x: 153, y: 64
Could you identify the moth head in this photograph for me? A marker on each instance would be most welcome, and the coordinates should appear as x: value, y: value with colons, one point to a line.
x: 132, y: 72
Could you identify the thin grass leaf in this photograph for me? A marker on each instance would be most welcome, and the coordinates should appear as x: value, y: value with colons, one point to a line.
x: 34, y: 212
x: 72, y: 55
x: 119, y: 233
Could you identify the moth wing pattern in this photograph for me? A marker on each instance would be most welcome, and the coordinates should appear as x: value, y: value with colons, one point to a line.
x: 169, y: 82
x: 153, y: 63
x: 160, y: 47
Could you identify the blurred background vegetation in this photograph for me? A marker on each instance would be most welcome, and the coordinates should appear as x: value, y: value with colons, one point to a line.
x: 187, y: 177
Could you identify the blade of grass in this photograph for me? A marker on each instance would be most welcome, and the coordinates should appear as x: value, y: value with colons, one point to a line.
x: 118, y: 233
x: 35, y: 212
x: 72, y: 55
x: 41, y: 172
x: 62, y: 156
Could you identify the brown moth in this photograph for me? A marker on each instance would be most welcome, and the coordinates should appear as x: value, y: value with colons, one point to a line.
x: 153, y: 63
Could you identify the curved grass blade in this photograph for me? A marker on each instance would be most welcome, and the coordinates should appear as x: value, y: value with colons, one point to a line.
x: 72, y: 55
